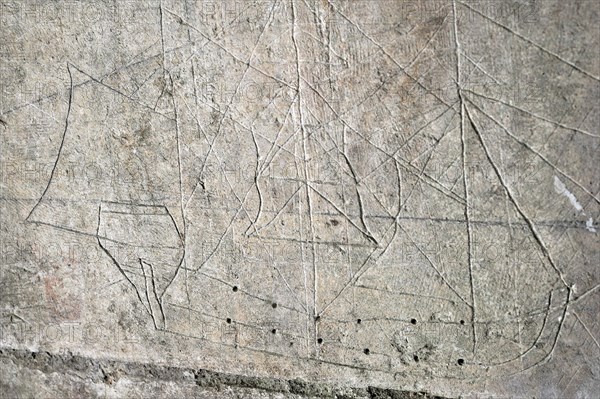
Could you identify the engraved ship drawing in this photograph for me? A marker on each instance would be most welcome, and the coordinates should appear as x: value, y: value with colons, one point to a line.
x: 332, y: 210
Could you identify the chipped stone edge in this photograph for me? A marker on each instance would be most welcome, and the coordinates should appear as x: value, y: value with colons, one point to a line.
x: 109, y: 371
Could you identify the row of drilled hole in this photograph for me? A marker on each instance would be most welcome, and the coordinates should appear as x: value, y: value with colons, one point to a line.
x: 274, y: 305
x: 366, y: 351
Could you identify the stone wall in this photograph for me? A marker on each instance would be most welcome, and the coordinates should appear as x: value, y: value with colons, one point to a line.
x: 299, y: 198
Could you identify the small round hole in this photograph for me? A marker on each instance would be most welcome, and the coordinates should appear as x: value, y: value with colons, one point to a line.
x: 235, y: 288
x: 413, y: 321
x: 317, y: 318
x: 274, y: 305
x: 228, y: 320
x: 320, y: 340
x: 274, y: 331
x: 367, y: 351
x: 461, y: 362
x: 416, y: 358
x: 358, y: 321
x: 462, y: 322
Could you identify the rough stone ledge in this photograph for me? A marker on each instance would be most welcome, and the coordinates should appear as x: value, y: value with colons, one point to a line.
x: 109, y: 371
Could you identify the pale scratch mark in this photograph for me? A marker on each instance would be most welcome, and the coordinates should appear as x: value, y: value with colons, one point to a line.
x: 361, y: 270
x: 327, y: 152
x: 537, y: 153
x: 245, y: 292
x: 395, y: 217
x: 392, y: 156
x: 287, y: 284
x: 254, y: 67
x: 361, y: 209
x: 257, y: 185
x: 562, y: 319
x: 147, y: 292
x: 467, y: 214
x: 563, y: 115
x: 384, y: 207
x: 541, y: 48
x: 439, y: 28
x: 458, y: 179
x: 478, y: 66
x: 375, y: 92
x: 159, y: 299
x: 114, y: 261
x: 306, y: 172
x: 435, y: 268
x: 192, y: 64
x: 60, y: 148
x: 512, y: 198
x: 162, y: 41
x: 344, y: 61
x: 338, y: 117
x: 164, y: 57
x: 272, y: 262
x: 200, y: 182
x: 279, y: 212
x: 105, y: 287
x: 585, y: 294
x: 465, y: 177
x: 143, y: 83
x: 281, y: 147
x: 587, y: 329
x: 182, y: 240
x: 346, y: 229
x: 182, y: 204
x: 240, y: 208
x: 386, y: 53
x: 133, y: 100
x: 367, y: 263
x: 183, y: 233
x: 408, y: 294
x: 537, y: 116
x: 571, y: 379
x: 54, y: 94
x: 400, y: 191
x: 519, y: 332
x: 431, y: 149
x: 366, y: 233
x: 33, y: 104
x: 437, y: 141
x: 534, y: 344
x: 310, y: 317
x: 412, y: 169
x: 248, y: 64
x: 506, y: 205
x: 430, y: 181
x: 456, y: 44
x: 266, y: 161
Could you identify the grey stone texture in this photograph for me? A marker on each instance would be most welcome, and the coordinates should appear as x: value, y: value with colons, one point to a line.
x: 299, y: 198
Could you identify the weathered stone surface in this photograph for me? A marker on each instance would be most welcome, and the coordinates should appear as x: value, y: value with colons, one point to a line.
x: 300, y: 198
